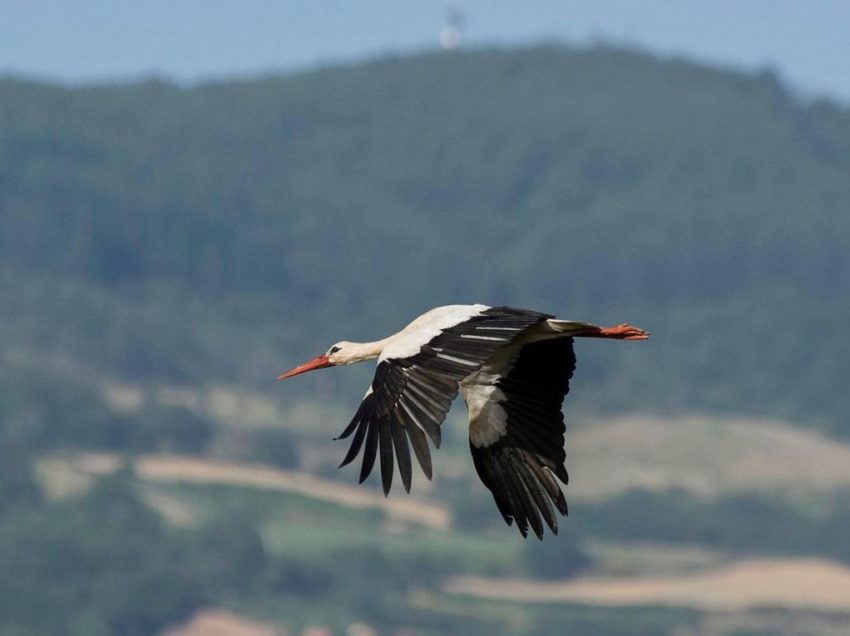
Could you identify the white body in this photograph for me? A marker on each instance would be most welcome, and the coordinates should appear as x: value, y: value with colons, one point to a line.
x: 487, y: 419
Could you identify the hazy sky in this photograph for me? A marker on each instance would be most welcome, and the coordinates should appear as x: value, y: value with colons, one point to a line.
x: 807, y: 41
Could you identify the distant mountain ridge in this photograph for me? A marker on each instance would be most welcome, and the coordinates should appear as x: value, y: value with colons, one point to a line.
x: 214, y: 233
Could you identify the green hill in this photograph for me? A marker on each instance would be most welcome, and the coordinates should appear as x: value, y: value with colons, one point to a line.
x: 158, y: 242
x: 223, y: 231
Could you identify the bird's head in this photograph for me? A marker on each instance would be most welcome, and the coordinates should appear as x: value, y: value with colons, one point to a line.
x: 341, y: 353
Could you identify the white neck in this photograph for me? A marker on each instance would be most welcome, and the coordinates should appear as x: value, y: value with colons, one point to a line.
x: 359, y: 351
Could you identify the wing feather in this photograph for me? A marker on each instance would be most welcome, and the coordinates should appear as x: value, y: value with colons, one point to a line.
x: 370, y: 451
x: 356, y: 443
x: 402, y: 453
x: 420, y: 448
x: 410, y: 396
x: 520, y: 465
x: 386, y: 449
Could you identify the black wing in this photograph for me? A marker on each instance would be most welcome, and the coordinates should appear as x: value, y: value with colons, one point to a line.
x: 409, y: 397
x: 520, y: 466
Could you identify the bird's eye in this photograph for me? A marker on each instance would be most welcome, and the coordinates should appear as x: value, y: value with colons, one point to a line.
x: 334, y: 349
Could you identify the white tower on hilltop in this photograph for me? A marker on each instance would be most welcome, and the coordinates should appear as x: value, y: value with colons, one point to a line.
x: 451, y: 35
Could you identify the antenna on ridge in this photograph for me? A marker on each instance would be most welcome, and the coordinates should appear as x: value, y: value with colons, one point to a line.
x: 451, y: 35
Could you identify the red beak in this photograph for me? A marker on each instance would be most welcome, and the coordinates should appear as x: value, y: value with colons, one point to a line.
x: 316, y: 363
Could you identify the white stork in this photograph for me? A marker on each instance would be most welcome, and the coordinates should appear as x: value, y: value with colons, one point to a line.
x: 513, y: 366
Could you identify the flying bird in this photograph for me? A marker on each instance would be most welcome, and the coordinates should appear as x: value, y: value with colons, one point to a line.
x: 513, y: 367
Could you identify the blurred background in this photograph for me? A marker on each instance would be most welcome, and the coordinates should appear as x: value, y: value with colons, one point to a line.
x: 196, y: 196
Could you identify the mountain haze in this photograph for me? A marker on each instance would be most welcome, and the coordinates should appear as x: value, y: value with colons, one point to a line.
x: 220, y: 232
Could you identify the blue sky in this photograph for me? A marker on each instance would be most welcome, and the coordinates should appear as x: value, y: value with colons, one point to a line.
x: 806, y: 41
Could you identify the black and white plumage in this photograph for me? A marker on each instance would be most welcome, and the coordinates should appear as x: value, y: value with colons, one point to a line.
x: 513, y: 367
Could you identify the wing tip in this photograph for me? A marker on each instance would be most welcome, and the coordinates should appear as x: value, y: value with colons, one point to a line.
x: 521, y: 495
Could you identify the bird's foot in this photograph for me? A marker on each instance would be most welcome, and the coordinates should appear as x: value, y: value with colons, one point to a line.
x: 623, y: 332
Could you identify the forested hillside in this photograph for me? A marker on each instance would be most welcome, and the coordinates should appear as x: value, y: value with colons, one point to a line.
x: 225, y: 230
x: 166, y: 251
x: 221, y: 232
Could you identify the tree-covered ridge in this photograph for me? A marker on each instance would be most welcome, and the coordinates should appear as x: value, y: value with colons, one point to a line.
x: 216, y: 231
x: 153, y: 236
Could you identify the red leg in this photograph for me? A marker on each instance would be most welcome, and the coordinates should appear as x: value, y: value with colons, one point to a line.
x: 620, y: 332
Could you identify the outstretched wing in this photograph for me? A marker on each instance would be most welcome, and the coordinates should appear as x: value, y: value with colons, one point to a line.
x: 517, y: 432
x: 410, y: 396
